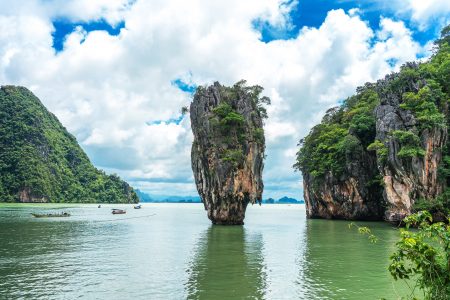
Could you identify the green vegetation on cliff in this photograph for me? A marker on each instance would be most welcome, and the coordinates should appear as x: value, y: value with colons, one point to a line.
x: 412, y: 115
x: 41, y: 162
x: 227, y: 155
x: 343, y: 131
x: 234, y: 129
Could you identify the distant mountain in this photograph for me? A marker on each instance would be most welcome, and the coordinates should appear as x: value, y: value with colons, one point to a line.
x: 289, y: 200
x: 188, y: 199
x: 40, y: 161
x: 144, y: 197
x: 269, y: 201
x: 283, y: 200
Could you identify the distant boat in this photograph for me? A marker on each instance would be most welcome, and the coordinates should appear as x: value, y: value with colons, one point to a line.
x: 116, y: 211
x: 99, y: 206
x: 64, y: 214
x: 139, y: 206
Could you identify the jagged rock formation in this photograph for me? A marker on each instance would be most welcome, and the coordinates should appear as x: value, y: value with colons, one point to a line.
x: 228, y: 149
x: 340, y: 176
x: 41, y: 162
x: 385, y: 152
x: 412, y: 177
x: 351, y: 196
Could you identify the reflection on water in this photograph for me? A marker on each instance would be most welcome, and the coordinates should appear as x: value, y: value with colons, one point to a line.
x: 42, y: 258
x: 340, y: 263
x: 176, y: 254
x: 228, y: 264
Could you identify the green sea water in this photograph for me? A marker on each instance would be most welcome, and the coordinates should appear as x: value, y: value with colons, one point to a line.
x: 171, y: 251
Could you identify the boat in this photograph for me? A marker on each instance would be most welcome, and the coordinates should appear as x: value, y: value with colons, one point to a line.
x: 99, y: 206
x: 139, y: 206
x: 116, y: 211
x: 64, y: 214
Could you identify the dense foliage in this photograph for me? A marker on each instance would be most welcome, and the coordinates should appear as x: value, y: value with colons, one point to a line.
x: 424, y: 254
x: 41, y: 161
x: 343, y: 130
x: 423, y: 89
x: 231, y: 127
x: 432, y: 110
x: 421, y: 256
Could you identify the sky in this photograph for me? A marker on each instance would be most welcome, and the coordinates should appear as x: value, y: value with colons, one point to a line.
x: 117, y: 72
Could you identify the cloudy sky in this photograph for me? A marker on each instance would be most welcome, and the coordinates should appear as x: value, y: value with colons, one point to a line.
x: 117, y: 72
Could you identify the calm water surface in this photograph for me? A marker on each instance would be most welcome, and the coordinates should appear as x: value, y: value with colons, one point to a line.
x: 171, y: 251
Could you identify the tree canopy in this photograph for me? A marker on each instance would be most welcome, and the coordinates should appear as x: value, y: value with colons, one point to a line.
x: 39, y: 157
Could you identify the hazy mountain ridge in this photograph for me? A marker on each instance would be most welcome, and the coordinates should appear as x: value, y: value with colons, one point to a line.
x: 145, y: 197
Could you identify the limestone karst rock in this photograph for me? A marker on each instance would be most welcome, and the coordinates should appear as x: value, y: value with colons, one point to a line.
x: 406, y: 179
x: 351, y: 196
x: 228, y: 149
x: 340, y: 176
x: 385, y: 152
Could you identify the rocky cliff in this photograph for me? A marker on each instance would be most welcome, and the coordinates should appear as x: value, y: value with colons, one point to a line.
x: 228, y: 149
x: 340, y: 176
x: 41, y: 162
x: 384, y: 153
x: 350, y: 196
x: 414, y: 143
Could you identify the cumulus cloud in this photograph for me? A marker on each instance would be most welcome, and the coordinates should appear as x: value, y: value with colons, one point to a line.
x: 424, y: 11
x: 108, y: 90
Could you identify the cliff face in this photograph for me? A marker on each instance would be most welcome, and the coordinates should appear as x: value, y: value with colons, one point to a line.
x: 351, y: 196
x: 384, y: 153
x: 340, y: 176
x: 41, y: 162
x: 407, y: 178
x: 228, y: 150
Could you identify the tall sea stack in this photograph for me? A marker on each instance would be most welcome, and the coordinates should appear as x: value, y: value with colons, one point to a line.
x: 228, y: 149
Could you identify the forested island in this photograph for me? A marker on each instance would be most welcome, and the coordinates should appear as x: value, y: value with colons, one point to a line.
x: 385, y: 152
x: 40, y: 161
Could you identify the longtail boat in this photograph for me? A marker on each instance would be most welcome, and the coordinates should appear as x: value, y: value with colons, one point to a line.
x: 64, y: 214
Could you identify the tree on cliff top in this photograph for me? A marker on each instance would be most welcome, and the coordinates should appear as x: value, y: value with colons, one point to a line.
x: 227, y: 154
x: 231, y: 127
x: 422, y: 89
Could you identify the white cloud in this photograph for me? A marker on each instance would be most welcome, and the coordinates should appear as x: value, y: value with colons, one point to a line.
x: 425, y: 10
x: 277, y: 13
x: 106, y: 89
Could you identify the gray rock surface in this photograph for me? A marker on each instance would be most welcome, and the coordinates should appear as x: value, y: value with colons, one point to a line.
x: 227, y: 156
x: 352, y: 196
x: 406, y: 179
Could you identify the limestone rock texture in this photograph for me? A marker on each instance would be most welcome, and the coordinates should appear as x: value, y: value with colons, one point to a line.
x: 406, y: 179
x: 228, y: 149
x: 401, y: 162
x: 348, y: 197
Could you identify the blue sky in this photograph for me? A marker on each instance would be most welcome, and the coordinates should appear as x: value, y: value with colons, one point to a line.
x: 63, y: 27
x: 309, y: 13
x: 312, y: 13
x: 116, y: 73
